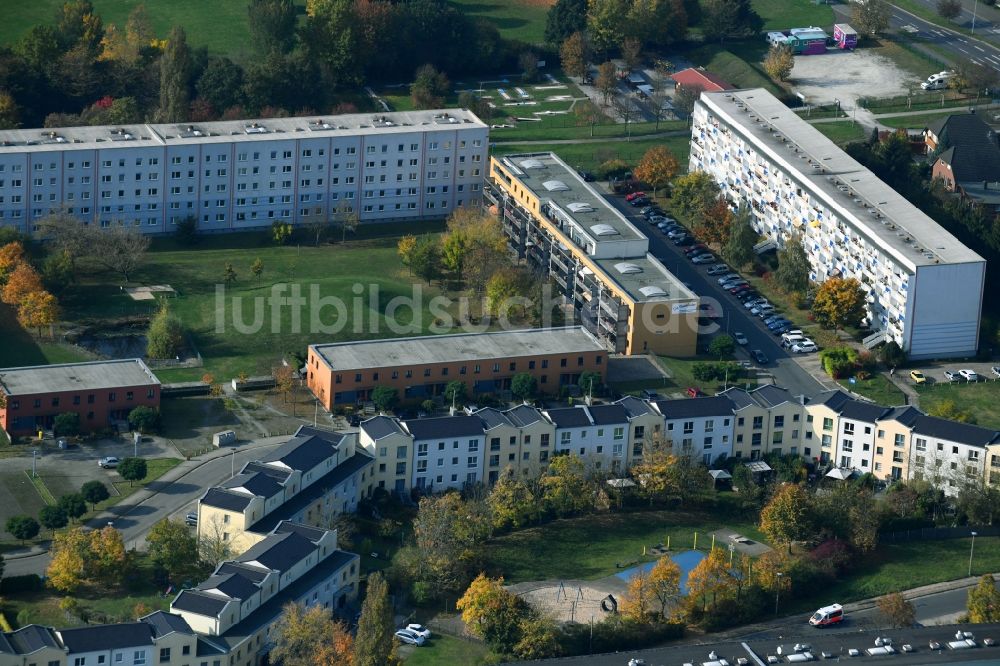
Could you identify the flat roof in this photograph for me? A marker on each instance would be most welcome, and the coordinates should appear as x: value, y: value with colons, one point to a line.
x: 226, y: 131
x: 643, y: 278
x: 90, y: 376
x: 555, y: 182
x: 850, y: 190
x: 432, y: 349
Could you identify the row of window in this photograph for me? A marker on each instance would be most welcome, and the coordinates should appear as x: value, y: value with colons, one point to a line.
x: 462, y: 370
x: 15, y: 404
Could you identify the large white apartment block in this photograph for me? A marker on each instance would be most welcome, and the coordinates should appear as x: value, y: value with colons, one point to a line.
x: 925, y: 288
x: 243, y: 174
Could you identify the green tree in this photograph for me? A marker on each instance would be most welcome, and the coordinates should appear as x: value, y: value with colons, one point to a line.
x: 175, y: 77
x: 173, y: 547
x: 984, y: 601
x: 186, y: 230
x: 429, y: 88
x: 788, y: 516
x: 738, y: 250
x: 132, y: 469
x: 257, y: 269
x: 373, y: 645
x: 949, y: 409
x: 425, y: 258
x: 607, y: 21
x: 10, y: 116
x: 729, y: 18
x: 67, y: 423
x: 454, y: 392
x: 871, y: 17
x: 778, y: 62
x: 52, y: 517
x: 523, y: 386
x: 454, y: 250
x: 229, y: 274
x: 565, y: 18
x: 722, y: 345
x: 793, y: 270
x: 589, y: 382
x: 94, y: 492
x: 58, y: 271
x: 144, y: 419
x: 695, y: 192
x: 839, y: 302
x: 73, y: 504
x: 22, y: 527
x: 272, y: 25
x: 565, y: 489
x: 281, y: 232
x: 385, y: 398
x: 449, y: 533
x: 512, y: 502
x: 165, y: 336
x: 574, y: 55
x: 949, y: 9
x: 221, y: 84
x: 539, y: 638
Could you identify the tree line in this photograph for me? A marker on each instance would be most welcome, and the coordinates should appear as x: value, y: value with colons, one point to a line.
x: 77, y: 70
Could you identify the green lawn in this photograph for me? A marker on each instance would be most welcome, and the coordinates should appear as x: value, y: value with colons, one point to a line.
x: 590, y: 547
x: 202, y: 27
x: 901, y: 50
x: 445, y: 649
x: 332, y: 272
x: 841, y: 133
x: 21, y: 347
x: 591, y: 155
x: 913, y: 122
x: 980, y: 399
x: 785, y: 14
x: 523, y: 20
x: 737, y: 62
x: 567, y: 127
x: 877, y: 388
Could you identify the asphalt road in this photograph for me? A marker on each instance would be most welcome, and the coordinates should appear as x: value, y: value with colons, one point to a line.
x: 785, y: 372
x: 170, y: 499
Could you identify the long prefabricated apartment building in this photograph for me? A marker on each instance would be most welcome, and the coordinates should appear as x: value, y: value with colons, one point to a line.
x: 924, y: 287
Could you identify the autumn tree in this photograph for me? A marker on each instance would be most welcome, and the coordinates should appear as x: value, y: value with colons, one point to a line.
x: 10, y: 115
x: 792, y: 274
x: 631, y: 48
x: 606, y: 81
x: 492, y: 613
x: 778, y: 62
x: 284, y: 380
x: 505, y: 292
x: 165, y: 335
x: 107, y: 564
x: 69, y: 550
x: 22, y: 281
x: 483, y: 244
x: 738, y: 249
x: 374, y: 642
x: 257, y: 269
x: 839, y: 302
x: 513, y: 503
x: 897, y: 610
x: 657, y: 167
x: 712, y: 224
x: 984, y: 601
x: 574, y: 54
x: 949, y: 409
x: 37, y: 310
x: 11, y: 256
x: 404, y: 248
x: 710, y: 580
x: 565, y: 488
x: 788, y: 516
x: 638, y: 602
x: 229, y: 274
x: 309, y: 636
x: 655, y: 472
x: 173, y: 547
x: 871, y: 17
x: 664, y: 582
x: 685, y: 97
x: 448, y: 540
x: 695, y: 192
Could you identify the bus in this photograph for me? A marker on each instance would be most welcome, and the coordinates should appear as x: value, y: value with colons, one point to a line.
x: 827, y: 616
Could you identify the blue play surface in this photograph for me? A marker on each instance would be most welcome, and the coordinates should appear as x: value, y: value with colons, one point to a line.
x: 687, y: 561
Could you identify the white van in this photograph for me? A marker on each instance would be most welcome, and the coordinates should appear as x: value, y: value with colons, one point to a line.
x: 827, y: 616
x: 937, y: 81
x: 788, y: 338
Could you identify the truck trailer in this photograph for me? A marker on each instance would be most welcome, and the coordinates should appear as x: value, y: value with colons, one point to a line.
x: 802, y: 41
x: 844, y: 36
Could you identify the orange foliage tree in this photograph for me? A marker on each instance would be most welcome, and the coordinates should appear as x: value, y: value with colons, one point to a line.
x: 22, y: 281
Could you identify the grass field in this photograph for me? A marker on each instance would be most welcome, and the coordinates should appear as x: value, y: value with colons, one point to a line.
x: 592, y: 154
x: 737, y: 62
x: 877, y: 388
x: 590, y: 547
x: 445, y: 649
x: 202, y: 27
x: 21, y: 347
x: 841, y: 133
x: 980, y: 399
x: 523, y: 20
x: 785, y: 14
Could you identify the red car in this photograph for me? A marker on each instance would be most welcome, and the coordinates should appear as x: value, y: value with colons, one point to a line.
x: 697, y: 248
x: 694, y: 392
x: 634, y: 195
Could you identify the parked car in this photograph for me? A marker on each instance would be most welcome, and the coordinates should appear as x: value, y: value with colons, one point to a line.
x: 739, y: 289
x: 778, y: 330
x: 733, y: 283
x: 768, y: 318
x: 634, y: 195
x: 640, y: 201
x: 760, y: 300
x: 805, y: 347
x: 919, y: 378
x: 697, y: 248
x: 410, y: 638
x: 676, y: 232
x: 191, y: 520
x: 762, y: 310
x: 682, y: 240
x: 759, y: 356
x: 419, y: 630
x: 969, y: 375
x: 740, y: 338
x: 951, y: 376
x: 694, y: 392
x: 748, y: 295
x: 729, y: 276
x: 108, y: 462
x: 778, y: 325
x: 995, y: 370
x: 586, y: 175
x: 717, y: 269
x: 702, y: 259
x: 791, y: 337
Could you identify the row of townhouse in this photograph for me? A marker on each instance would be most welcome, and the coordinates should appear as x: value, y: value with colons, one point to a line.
x: 224, y: 621
x: 311, y: 479
x: 244, y: 174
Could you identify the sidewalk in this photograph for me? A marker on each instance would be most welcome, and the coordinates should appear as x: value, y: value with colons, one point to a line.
x: 138, y: 497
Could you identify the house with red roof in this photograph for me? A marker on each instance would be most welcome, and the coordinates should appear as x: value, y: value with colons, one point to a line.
x: 699, y: 77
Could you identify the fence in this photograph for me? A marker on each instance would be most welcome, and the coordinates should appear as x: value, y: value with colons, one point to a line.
x: 938, y: 533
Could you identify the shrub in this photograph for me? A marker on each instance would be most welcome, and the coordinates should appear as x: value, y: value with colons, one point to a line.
x: 15, y: 584
x: 67, y: 423
x: 833, y: 554
x: 612, y: 169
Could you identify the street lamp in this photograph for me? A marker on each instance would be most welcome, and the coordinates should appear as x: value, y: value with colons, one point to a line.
x: 34, y: 453
x: 972, y: 549
x: 975, y: 7
x: 777, y: 591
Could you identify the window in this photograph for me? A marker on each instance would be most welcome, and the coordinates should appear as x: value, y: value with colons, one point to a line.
x: 848, y: 446
x: 164, y: 654
x: 401, y: 452
x: 139, y: 657
x: 827, y: 424
x: 779, y: 421
x: 758, y: 422
x: 849, y: 428
x: 921, y: 444
x: 898, y: 440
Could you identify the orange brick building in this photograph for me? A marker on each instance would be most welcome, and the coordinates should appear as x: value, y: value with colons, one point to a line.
x: 101, y: 392
x: 420, y: 367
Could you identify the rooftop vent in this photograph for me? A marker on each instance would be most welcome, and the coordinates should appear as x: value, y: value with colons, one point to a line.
x: 319, y: 124
x: 604, y: 230
x: 555, y: 186
x: 580, y: 207
x: 121, y: 134
x: 531, y: 164
x: 382, y: 121
x: 652, y: 291
x: 255, y: 128
x: 625, y: 268
x: 189, y: 131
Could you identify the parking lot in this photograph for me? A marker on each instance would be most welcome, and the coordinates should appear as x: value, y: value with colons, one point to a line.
x: 935, y: 373
x: 848, y: 75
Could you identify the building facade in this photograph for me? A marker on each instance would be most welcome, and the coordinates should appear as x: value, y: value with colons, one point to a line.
x: 600, y: 262
x: 102, y: 393
x: 797, y: 182
x: 421, y: 367
x: 245, y: 174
